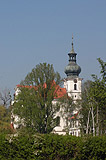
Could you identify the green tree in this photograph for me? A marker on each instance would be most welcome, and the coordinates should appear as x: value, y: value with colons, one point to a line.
x: 98, y: 91
x: 5, y: 119
x: 93, y: 111
x: 33, y: 104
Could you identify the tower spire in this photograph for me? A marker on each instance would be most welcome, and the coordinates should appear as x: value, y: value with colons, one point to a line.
x: 72, y: 69
x: 72, y: 50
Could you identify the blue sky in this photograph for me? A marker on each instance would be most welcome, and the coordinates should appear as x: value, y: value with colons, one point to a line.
x: 36, y: 31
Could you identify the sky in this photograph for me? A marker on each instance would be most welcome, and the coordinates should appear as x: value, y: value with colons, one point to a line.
x: 37, y: 31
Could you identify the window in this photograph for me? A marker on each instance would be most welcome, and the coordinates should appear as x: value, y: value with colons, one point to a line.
x: 76, y: 123
x: 75, y: 80
x: 75, y: 86
x: 57, y: 121
x: 72, y: 124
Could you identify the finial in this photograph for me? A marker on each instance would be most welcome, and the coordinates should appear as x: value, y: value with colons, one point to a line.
x: 72, y: 50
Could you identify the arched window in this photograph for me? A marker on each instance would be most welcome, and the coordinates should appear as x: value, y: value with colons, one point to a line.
x: 75, y: 86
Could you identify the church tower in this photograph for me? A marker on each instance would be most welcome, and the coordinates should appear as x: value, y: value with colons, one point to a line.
x: 73, y: 83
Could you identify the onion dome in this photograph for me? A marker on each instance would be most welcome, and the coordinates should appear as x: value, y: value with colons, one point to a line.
x: 72, y: 69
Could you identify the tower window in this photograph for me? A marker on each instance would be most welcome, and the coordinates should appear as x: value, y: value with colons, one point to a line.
x: 75, y: 86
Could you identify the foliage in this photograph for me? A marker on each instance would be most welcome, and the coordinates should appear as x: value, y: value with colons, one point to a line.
x: 98, y: 92
x: 58, y: 147
x: 5, y: 119
x: 16, y: 148
x: 51, y: 147
x: 94, y: 148
x: 34, y: 102
x: 70, y: 147
x: 94, y: 103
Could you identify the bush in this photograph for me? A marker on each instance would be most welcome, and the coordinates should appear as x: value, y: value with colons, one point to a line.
x: 94, y: 148
x: 4, y: 147
x: 27, y: 146
x: 16, y: 148
x: 58, y: 147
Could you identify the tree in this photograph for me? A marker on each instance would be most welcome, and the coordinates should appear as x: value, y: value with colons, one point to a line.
x: 98, y: 92
x: 5, y: 97
x: 4, y: 119
x: 33, y: 105
x: 5, y: 111
x: 93, y: 111
x: 85, y: 112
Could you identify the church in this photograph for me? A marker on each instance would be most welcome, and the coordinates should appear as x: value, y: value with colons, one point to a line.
x: 72, y: 84
x: 72, y: 87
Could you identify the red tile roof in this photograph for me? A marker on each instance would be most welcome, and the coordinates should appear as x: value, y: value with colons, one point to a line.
x: 58, y: 93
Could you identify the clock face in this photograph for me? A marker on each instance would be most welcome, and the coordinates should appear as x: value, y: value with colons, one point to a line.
x: 75, y: 80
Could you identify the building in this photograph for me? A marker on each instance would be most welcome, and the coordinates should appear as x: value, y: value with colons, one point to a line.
x: 72, y: 87
x: 72, y: 84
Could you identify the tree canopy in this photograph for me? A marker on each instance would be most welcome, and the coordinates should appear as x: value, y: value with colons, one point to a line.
x: 33, y: 104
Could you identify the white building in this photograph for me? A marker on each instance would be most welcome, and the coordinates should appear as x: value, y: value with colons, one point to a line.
x: 72, y: 86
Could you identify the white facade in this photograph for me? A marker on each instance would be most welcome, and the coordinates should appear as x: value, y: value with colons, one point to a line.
x: 73, y: 88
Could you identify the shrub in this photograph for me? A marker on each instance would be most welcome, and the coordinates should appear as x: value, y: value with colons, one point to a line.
x: 29, y: 146
x: 58, y: 147
x: 94, y: 148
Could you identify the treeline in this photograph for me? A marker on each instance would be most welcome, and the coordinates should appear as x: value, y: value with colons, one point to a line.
x: 93, y: 104
x: 51, y: 147
x: 34, y: 104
